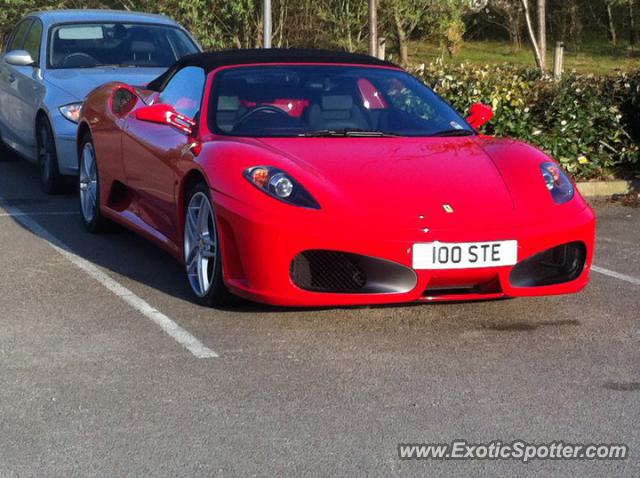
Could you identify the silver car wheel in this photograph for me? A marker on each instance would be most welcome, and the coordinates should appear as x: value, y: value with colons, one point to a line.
x: 88, y: 183
x: 200, y: 244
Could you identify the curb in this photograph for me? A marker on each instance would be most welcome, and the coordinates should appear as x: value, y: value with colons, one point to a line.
x: 608, y: 188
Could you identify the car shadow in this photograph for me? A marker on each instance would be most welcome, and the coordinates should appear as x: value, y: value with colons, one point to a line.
x: 119, y: 251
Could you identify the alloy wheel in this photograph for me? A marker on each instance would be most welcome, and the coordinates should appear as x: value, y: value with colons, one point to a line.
x: 88, y: 183
x: 200, y: 244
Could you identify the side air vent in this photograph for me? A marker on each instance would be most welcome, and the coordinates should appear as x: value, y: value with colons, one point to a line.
x: 554, y: 266
x: 347, y: 273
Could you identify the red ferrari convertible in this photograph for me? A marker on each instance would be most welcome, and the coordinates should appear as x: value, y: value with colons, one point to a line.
x: 311, y: 178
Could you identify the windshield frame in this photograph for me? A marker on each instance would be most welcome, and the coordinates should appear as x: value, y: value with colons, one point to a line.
x: 52, y: 27
x: 212, y: 94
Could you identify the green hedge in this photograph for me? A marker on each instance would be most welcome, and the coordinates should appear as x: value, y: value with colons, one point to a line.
x: 590, y: 124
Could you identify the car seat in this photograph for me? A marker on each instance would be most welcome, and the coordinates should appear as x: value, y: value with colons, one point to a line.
x: 336, y: 112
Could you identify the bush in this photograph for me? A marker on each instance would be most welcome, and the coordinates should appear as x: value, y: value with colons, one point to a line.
x: 590, y: 124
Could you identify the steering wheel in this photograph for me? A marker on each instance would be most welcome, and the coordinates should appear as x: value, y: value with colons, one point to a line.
x: 260, y: 109
x: 77, y: 59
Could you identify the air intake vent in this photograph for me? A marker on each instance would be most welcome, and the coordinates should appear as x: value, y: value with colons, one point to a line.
x: 347, y: 273
x: 327, y: 271
x: 554, y: 266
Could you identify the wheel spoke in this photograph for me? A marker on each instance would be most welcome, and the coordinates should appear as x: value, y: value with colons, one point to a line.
x: 85, y: 209
x: 201, y: 274
x: 203, y: 218
x: 86, y: 157
x: 192, y: 225
x: 208, y: 254
x: 191, y: 261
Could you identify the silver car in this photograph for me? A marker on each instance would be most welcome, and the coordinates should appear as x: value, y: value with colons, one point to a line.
x: 53, y: 59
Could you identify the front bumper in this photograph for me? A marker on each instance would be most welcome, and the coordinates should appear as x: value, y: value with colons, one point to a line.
x: 66, y: 148
x: 258, y: 250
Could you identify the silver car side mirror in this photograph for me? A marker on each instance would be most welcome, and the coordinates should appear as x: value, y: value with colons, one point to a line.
x: 19, y: 58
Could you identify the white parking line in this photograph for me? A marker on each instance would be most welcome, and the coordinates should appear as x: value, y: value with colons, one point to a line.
x: 616, y: 275
x: 41, y: 213
x: 179, y: 334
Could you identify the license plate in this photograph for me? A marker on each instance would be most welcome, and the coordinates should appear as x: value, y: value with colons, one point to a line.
x: 464, y: 255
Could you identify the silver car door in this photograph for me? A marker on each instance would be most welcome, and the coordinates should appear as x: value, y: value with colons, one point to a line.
x: 28, y: 89
x: 8, y: 98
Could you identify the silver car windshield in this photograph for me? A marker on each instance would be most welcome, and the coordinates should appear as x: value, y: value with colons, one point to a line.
x: 94, y: 45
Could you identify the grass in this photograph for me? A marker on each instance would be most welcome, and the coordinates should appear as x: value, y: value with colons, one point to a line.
x: 599, y: 59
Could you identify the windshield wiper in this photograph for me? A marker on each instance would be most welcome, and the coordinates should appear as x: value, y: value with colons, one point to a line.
x: 115, y: 65
x: 452, y: 132
x: 348, y: 133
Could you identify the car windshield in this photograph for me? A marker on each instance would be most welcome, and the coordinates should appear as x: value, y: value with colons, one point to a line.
x: 92, y: 45
x: 331, y: 101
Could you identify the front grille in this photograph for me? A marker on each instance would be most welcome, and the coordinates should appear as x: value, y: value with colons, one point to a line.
x: 489, y: 287
x: 328, y: 271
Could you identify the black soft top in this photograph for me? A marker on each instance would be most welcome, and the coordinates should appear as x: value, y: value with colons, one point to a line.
x: 214, y: 59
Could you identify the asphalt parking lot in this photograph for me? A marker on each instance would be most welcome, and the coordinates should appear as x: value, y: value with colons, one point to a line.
x: 109, y: 369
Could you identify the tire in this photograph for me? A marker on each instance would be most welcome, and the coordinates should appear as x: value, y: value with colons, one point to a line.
x: 50, y: 178
x: 89, y: 188
x: 202, y: 254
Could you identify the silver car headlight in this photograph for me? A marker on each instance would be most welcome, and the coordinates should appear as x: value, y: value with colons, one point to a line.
x: 71, y: 111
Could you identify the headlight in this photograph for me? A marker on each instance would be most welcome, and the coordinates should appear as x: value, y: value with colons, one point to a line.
x: 558, y: 183
x: 280, y: 185
x: 71, y: 111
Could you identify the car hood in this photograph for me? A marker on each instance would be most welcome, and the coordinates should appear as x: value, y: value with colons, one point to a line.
x: 445, y: 182
x: 78, y: 82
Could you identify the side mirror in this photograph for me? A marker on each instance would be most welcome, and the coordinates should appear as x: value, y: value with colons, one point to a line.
x: 479, y: 115
x: 19, y: 58
x: 166, y: 114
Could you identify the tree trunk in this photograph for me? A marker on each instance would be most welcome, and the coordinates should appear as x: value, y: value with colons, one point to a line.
x: 532, y: 36
x: 632, y: 25
x: 513, y: 39
x: 402, y: 41
x: 612, y: 25
x: 542, y: 32
x: 514, y: 22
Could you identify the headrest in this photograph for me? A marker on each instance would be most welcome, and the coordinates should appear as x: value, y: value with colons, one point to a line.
x: 142, y: 47
x: 337, y: 102
x: 228, y: 103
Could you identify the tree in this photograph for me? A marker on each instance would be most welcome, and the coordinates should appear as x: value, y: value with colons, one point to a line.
x: 439, y: 18
x: 532, y: 37
x: 509, y: 15
x: 347, y: 21
x: 542, y: 33
x: 633, y: 34
x: 612, y: 26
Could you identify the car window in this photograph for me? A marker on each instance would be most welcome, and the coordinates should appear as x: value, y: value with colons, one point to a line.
x: 184, y: 91
x: 32, y: 41
x: 92, y: 45
x: 303, y: 100
x: 17, y: 38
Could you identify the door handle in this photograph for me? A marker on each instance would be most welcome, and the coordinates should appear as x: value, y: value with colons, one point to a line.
x: 11, y: 77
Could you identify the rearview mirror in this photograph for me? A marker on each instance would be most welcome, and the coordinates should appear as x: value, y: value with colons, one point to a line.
x: 479, y: 115
x: 19, y: 58
x: 165, y: 114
